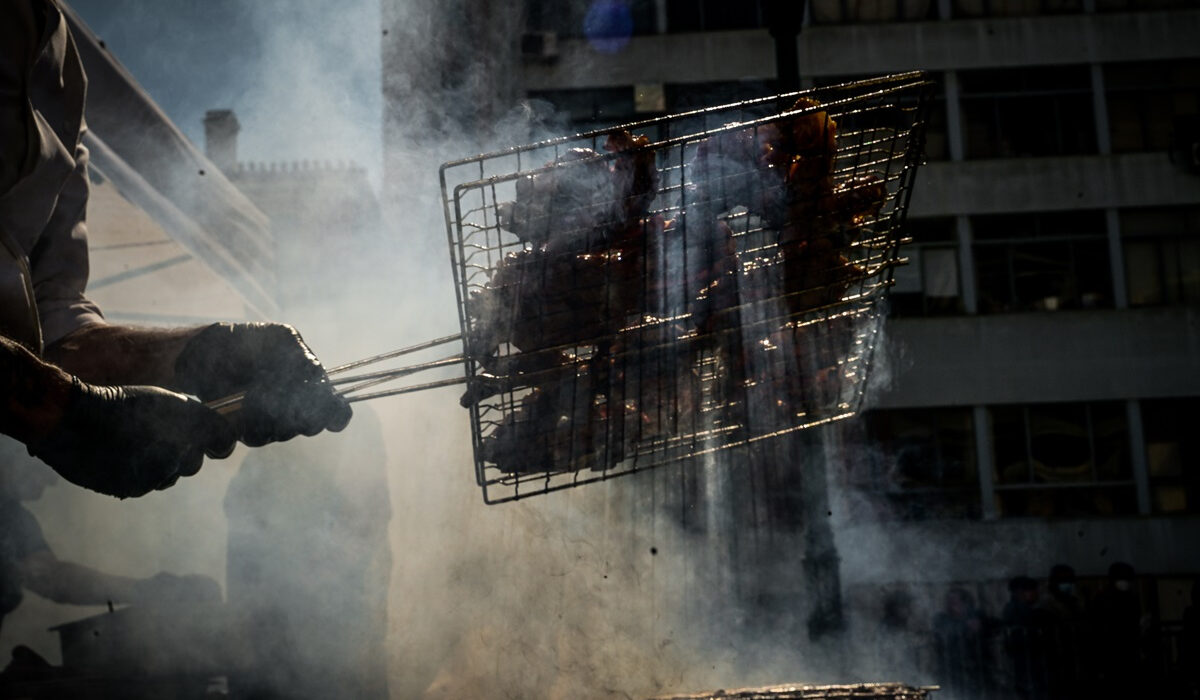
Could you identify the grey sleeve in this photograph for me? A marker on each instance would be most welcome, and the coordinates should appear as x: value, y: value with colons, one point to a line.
x: 59, y: 262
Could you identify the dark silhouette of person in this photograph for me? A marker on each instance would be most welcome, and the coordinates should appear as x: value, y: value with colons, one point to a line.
x: 309, y: 565
x: 113, y: 408
x: 1117, y: 634
x: 961, y: 646
x: 1061, y: 623
x: 28, y: 563
x: 1023, y: 643
x: 896, y: 643
x: 1189, y: 645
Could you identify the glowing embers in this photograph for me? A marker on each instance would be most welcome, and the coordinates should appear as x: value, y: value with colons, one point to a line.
x: 628, y: 302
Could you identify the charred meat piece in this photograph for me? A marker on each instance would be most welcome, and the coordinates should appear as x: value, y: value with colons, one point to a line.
x: 858, y: 199
x: 733, y: 168
x: 537, y: 300
x: 553, y: 429
x: 578, y: 201
x: 816, y: 273
x: 715, y: 275
x: 571, y: 200
x: 635, y: 173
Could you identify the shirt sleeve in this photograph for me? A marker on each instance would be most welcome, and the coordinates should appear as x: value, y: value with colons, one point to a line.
x: 26, y: 533
x: 59, y: 261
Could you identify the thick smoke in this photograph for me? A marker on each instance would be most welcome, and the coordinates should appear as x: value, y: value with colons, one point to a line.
x: 593, y: 592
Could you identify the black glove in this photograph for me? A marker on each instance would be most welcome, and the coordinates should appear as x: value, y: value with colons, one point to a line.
x: 129, y: 440
x: 287, y: 392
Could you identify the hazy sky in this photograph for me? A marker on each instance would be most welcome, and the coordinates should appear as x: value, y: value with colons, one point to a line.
x: 302, y: 75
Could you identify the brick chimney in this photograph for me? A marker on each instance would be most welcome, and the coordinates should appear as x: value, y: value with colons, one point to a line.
x: 220, y: 138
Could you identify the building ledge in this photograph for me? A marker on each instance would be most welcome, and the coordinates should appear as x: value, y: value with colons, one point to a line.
x: 1051, y: 184
x: 872, y: 49
x: 888, y: 552
x: 998, y: 42
x: 1044, y: 356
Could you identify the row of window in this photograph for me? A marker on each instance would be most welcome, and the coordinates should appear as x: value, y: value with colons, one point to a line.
x: 1048, y: 460
x: 1010, y: 112
x: 847, y: 11
x: 1050, y: 110
x: 1051, y: 261
x: 583, y: 17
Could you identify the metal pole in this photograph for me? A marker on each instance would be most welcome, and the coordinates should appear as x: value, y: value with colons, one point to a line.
x: 822, y: 564
x: 807, y: 449
x: 784, y: 19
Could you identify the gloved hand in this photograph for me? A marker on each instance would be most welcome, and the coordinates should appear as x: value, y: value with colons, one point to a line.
x: 287, y: 392
x: 170, y: 589
x: 129, y: 440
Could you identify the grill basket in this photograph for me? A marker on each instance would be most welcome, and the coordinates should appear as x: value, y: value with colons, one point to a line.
x: 862, y: 691
x: 628, y: 302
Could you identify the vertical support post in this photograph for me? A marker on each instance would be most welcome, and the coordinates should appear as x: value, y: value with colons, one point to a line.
x: 985, y: 462
x: 1138, y: 462
x: 822, y: 564
x: 962, y: 224
x: 1116, y: 259
x: 954, y: 134
x: 966, y: 264
x: 784, y: 20
x: 1100, y: 110
x: 1112, y: 222
x: 660, y: 16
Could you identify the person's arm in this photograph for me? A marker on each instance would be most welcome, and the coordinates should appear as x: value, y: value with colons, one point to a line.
x: 74, y: 584
x: 286, y: 390
x: 119, y: 440
x: 36, y: 394
x: 111, y: 355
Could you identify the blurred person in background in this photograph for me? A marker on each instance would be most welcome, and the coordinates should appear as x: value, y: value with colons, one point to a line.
x: 1062, y: 625
x: 896, y: 641
x: 309, y: 565
x: 1118, y: 630
x: 109, y: 407
x: 1189, y: 644
x: 27, y: 563
x: 1023, y: 643
x: 962, y: 641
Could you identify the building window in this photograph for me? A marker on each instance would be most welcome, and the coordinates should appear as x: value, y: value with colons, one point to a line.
x: 1143, y: 5
x: 1146, y: 100
x: 587, y: 109
x: 687, y: 97
x: 684, y: 97
x: 1172, y: 454
x: 714, y: 15
x: 919, y: 464
x: 843, y: 11
x: 936, y: 140
x: 1013, y: 8
x: 1162, y: 255
x: 582, y: 18
x: 1062, y: 460
x: 929, y: 285
x: 1042, y: 262
x: 1032, y: 111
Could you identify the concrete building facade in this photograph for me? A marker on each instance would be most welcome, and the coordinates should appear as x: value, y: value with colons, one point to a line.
x: 1045, y: 345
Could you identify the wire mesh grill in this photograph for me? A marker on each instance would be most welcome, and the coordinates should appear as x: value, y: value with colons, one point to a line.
x: 862, y: 691
x: 677, y: 286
